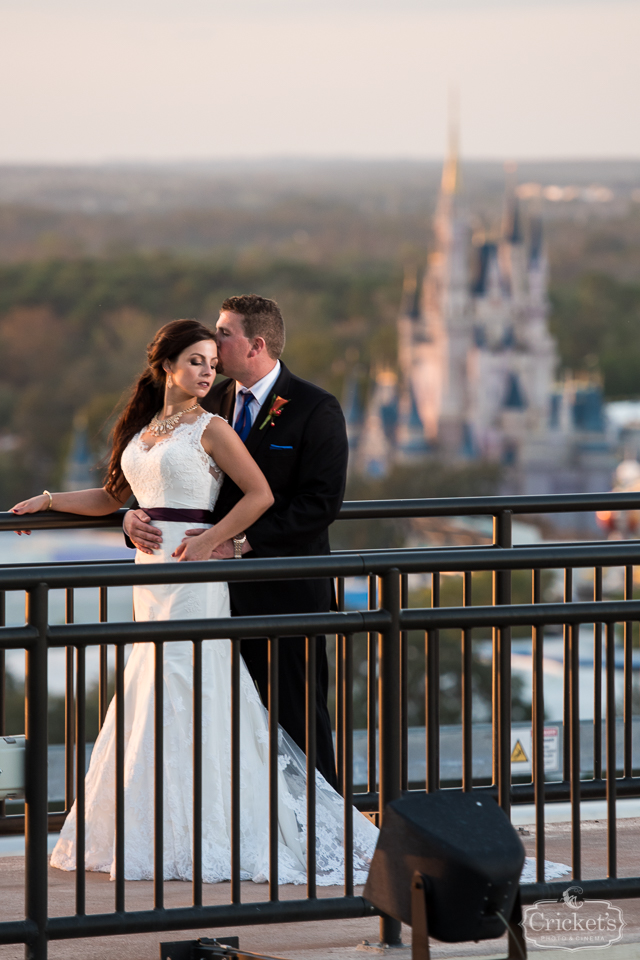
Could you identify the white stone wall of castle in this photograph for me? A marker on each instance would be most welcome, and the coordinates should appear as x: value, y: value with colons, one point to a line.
x: 429, y: 369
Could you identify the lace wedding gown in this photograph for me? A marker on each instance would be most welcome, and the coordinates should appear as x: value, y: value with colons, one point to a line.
x: 178, y: 473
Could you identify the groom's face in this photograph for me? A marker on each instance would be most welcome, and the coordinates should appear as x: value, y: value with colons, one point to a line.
x: 234, y: 349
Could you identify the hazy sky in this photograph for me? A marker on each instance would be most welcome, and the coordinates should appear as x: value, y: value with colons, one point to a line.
x: 91, y: 80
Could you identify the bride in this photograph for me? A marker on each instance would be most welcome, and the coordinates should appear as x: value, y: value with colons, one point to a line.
x: 172, y: 456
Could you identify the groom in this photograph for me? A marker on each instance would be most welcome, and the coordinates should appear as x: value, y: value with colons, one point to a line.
x: 302, y: 450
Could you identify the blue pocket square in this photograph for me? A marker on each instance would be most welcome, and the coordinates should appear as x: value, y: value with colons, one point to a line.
x: 275, y: 446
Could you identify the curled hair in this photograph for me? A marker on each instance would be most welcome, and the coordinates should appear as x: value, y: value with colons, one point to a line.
x: 260, y: 318
x: 147, y: 395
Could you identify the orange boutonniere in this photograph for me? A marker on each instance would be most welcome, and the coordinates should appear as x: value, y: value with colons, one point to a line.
x: 277, y: 403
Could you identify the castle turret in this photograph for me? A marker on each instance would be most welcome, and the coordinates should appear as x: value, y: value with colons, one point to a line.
x: 438, y: 376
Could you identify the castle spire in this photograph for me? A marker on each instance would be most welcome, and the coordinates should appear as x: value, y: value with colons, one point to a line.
x: 511, y: 222
x: 451, y: 170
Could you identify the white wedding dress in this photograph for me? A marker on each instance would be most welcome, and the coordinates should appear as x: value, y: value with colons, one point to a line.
x: 178, y: 473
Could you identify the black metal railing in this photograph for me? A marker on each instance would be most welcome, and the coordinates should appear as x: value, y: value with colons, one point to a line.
x: 386, y: 625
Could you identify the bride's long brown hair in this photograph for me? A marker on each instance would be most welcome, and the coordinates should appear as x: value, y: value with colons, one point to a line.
x: 147, y: 396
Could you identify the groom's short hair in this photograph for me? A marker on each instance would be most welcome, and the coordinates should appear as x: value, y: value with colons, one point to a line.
x: 260, y: 318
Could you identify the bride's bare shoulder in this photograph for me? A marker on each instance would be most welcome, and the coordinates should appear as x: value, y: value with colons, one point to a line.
x: 216, y: 430
x: 217, y: 426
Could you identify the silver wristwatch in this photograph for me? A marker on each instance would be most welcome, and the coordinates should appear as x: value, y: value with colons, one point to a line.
x: 238, y: 543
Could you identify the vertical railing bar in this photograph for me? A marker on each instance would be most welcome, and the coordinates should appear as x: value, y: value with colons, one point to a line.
x: 372, y: 780
x: 103, y: 699
x: 3, y: 684
x: 235, y: 773
x: 404, y: 689
x: 339, y: 711
x: 389, y: 719
x: 69, y: 708
x: 467, y: 690
x: 310, y: 683
x: 597, y: 680
x: 538, y: 728
x: 574, y: 720
x: 119, y: 797
x: 628, y: 678
x: 196, y: 875
x: 347, y: 759
x: 158, y: 779
x: 36, y: 800
x: 566, y: 680
x: 81, y: 763
x: 432, y: 695
x: 502, y: 529
x: 274, y: 891
x: 610, y: 681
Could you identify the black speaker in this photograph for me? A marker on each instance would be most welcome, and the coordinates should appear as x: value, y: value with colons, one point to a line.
x: 468, y: 853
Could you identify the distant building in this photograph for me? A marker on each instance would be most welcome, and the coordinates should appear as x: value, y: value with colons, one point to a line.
x: 476, y: 375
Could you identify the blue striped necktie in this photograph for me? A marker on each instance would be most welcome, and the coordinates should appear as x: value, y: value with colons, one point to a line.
x: 243, y: 423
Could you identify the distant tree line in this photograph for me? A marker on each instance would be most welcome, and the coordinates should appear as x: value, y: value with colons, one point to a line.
x: 596, y: 321
x: 73, y: 333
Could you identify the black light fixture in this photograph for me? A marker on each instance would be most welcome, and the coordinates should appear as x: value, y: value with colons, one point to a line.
x: 449, y: 865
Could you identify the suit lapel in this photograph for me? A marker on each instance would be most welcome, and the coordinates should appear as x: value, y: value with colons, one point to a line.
x: 228, y: 404
x: 280, y: 389
x: 221, y: 399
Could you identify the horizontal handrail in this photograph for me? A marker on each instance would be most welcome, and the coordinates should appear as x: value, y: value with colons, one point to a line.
x: 219, y: 628
x: 227, y: 915
x: 381, y: 509
x: 555, y: 791
x: 54, y: 520
x: 488, y: 506
x: 346, y: 622
x: 520, y: 615
x: 618, y: 888
x: 543, y: 556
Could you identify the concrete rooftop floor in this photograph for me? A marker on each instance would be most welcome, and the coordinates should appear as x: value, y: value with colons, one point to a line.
x: 334, y: 940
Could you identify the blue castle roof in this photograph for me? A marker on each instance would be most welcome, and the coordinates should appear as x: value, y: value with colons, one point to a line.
x: 514, y: 398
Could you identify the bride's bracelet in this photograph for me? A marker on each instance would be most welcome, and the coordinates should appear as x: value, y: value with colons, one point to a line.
x: 46, y: 492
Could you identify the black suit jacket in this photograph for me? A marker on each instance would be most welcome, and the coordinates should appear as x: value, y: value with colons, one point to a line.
x: 304, y: 456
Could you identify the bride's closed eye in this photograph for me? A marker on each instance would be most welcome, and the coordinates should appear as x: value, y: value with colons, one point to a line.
x: 200, y: 363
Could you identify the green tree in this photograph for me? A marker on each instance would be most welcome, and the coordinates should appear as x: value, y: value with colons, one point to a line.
x: 597, y: 324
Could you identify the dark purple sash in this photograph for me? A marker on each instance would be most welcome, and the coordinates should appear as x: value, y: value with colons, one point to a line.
x: 179, y: 514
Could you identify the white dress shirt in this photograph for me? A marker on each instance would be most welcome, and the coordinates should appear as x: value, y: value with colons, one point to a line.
x: 260, y: 390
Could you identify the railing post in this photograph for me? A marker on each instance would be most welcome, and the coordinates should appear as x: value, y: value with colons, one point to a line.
x: 372, y: 779
x: 36, y: 773
x: 389, y: 718
x: 502, y: 670
x: 467, y: 691
x: 612, y: 766
x: 566, y: 680
x: 432, y: 695
x: 597, y: 680
x: 69, y: 709
x: 404, y: 689
x: 574, y: 747
x: 3, y: 682
x: 340, y: 706
x: 627, y: 768
x: 103, y: 699
x: 537, y: 725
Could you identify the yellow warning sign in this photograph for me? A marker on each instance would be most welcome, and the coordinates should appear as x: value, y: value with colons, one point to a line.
x: 518, y: 755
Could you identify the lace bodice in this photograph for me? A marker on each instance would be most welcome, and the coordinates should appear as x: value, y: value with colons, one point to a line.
x: 176, y: 472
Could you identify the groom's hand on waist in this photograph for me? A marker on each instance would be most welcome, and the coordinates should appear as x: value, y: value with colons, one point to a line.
x: 137, y: 526
x: 225, y: 550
